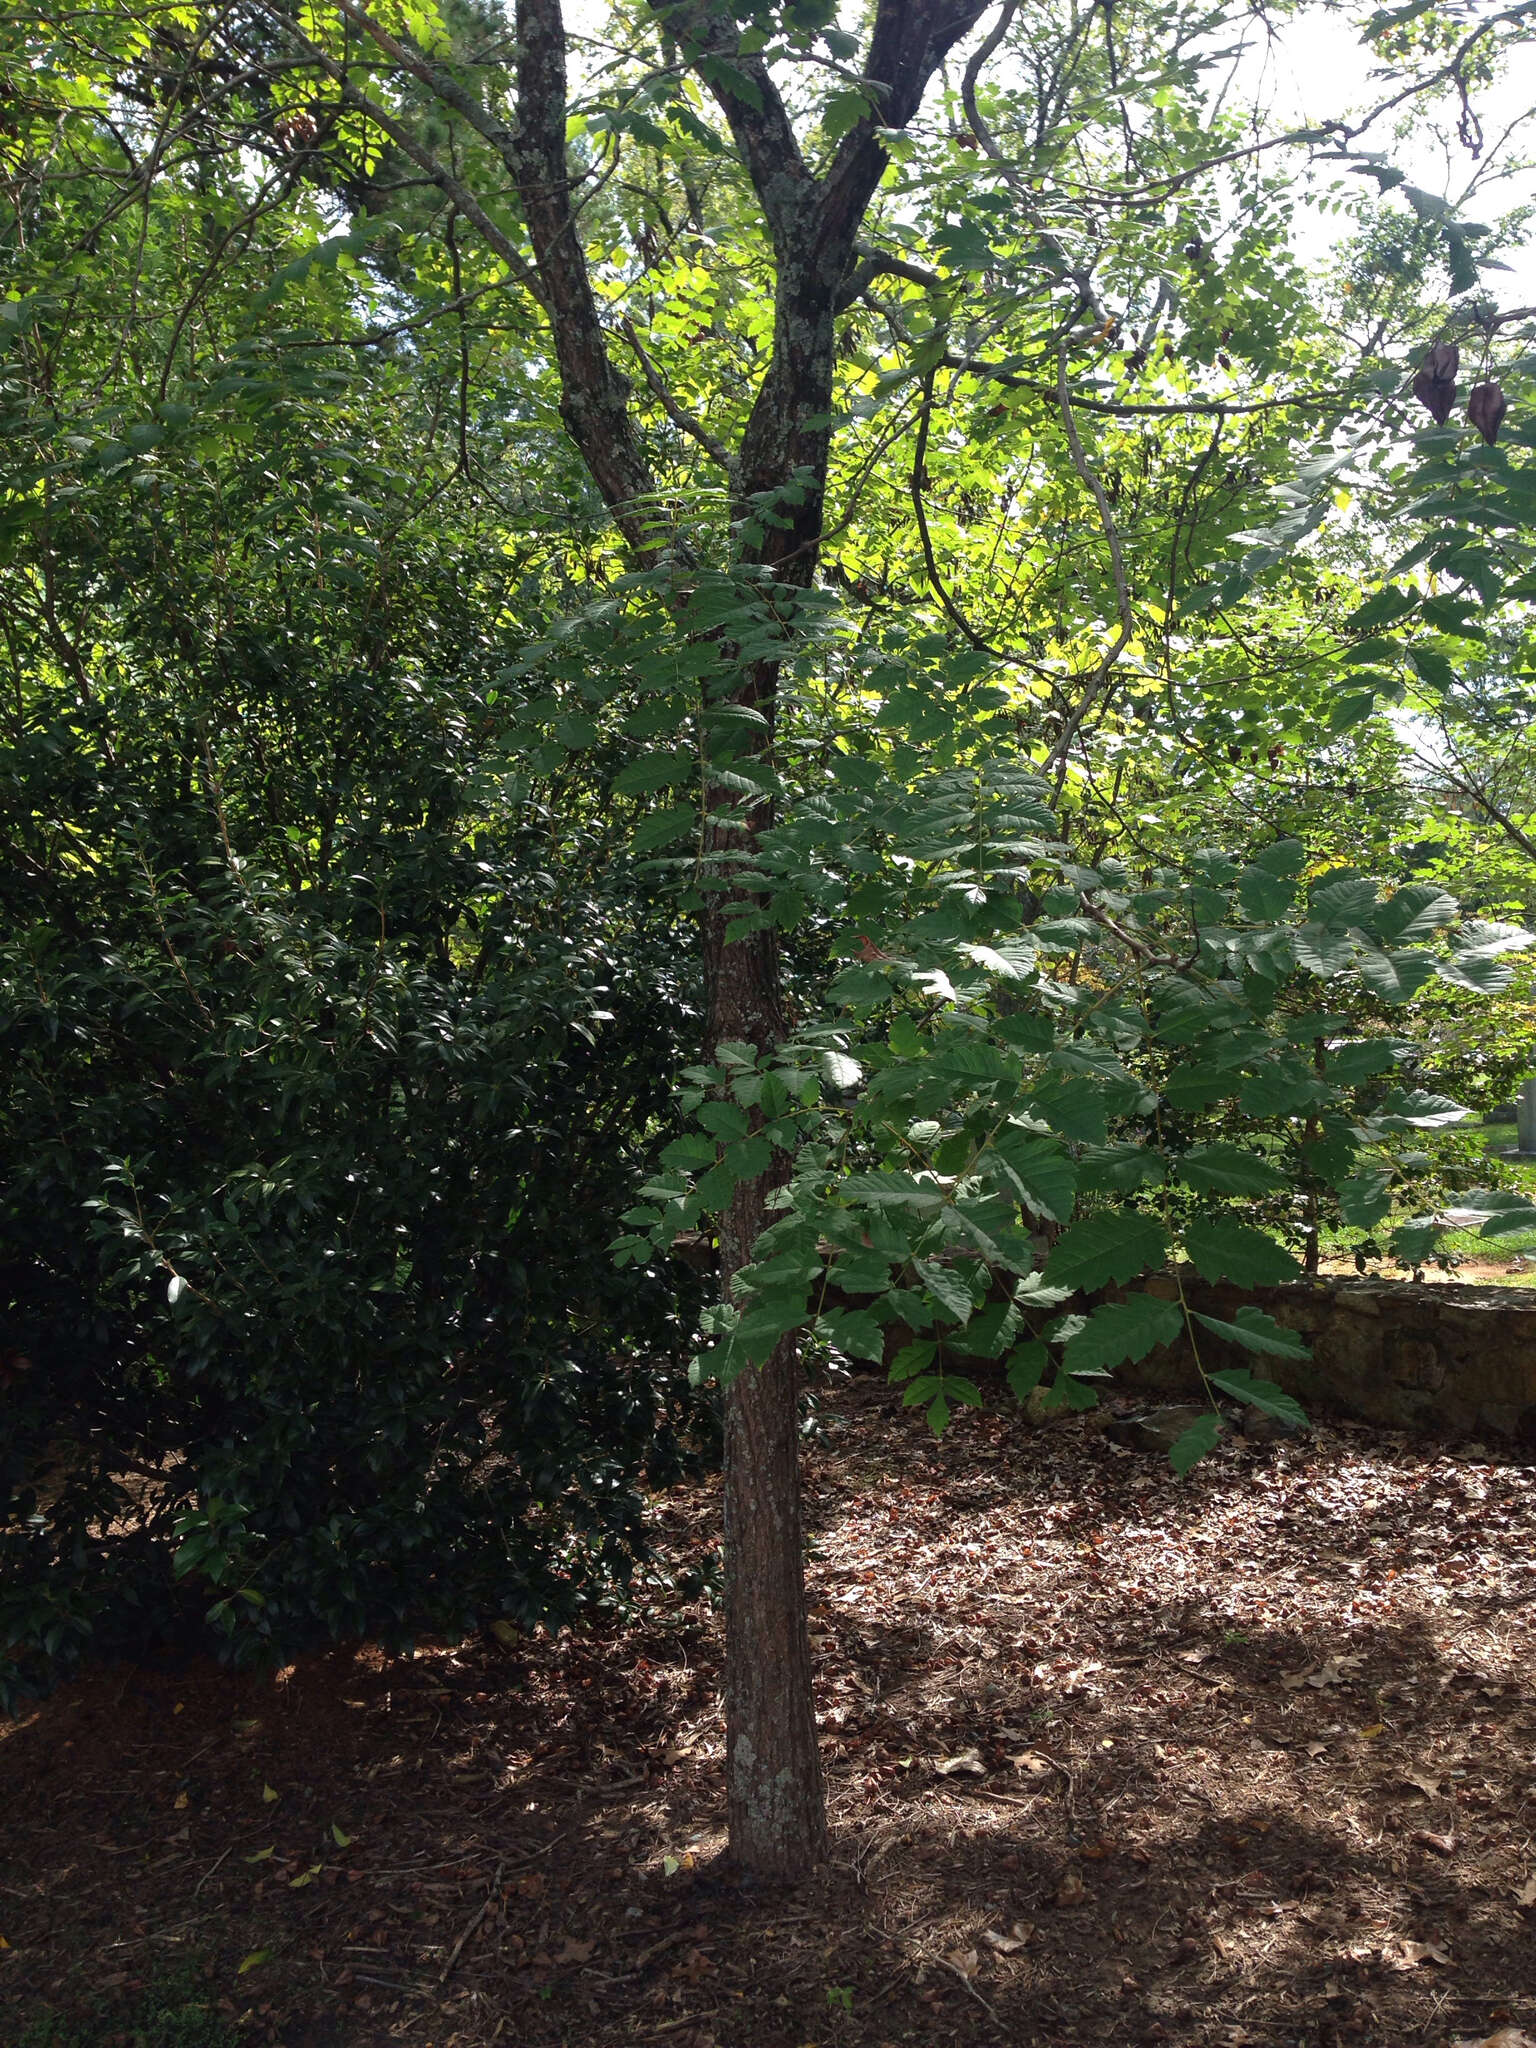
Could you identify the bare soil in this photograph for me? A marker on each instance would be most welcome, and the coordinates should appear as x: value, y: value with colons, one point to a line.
x: 1242, y: 1759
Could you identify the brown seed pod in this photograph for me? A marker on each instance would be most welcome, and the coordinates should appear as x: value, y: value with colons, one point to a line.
x: 1486, y: 407
x: 1443, y: 361
x: 1437, y: 398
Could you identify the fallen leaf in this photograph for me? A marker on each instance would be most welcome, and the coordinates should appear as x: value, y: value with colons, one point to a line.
x: 1072, y: 1891
x: 1526, y: 1896
x: 504, y: 1632
x: 967, y: 1760
x: 1422, y: 1782
x: 1316, y: 1749
x: 267, y: 1795
x: 1407, y: 1955
x: 964, y: 1962
x: 576, y: 1951
x: 257, y: 1955
x: 342, y: 1841
x: 262, y: 1856
x: 180, y: 1803
x: 1010, y: 1943
x: 305, y: 1877
x: 1442, y: 1845
x: 1376, y: 1728
x: 1032, y: 1763
x: 1506, y: 2037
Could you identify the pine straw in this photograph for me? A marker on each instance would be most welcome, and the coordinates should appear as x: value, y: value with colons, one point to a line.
x: 1244, y: 1758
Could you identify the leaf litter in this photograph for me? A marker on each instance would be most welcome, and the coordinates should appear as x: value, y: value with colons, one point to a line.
x: 1279, y: 1709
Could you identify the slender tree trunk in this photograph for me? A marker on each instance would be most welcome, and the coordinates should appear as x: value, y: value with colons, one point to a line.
x: 776, y: 1805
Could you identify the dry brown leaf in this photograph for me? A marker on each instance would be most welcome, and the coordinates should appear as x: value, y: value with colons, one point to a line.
x: 1526, y: 1895
x: 965, y: 1962
x: 1506, y: 2037
x: 1407, y: 1955
x: 1010, y: 1943
x: 968, y: 1760
x: 1316, y: 1749
x: 576, y: 1951
x: 1032, y: 1763
x: 1443, y: 1845
x: 1072, y: 1891
x: 1423, y: 1782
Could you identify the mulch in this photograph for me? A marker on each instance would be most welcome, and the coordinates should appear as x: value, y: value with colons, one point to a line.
x: 1240, y: 1759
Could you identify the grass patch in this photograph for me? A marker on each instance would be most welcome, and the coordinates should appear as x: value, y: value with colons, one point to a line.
x: 175, y: 2009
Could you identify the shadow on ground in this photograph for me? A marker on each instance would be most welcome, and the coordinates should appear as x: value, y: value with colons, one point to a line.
x: 1240, y: 1759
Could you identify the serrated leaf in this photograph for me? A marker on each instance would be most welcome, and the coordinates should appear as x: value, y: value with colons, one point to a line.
x: 1366, y: 1197
x: 1026, y: 1368
x: 1232, y: 1251
x: 1116, y: 1246
x: 1228, y: 1170
x: 1255, y: 1331
x: 948, y: 1287
x: 1416, y: 911
x: 1039, y: 1172
x: 1123, y: 1168
x: 1196, y: 1443
x: 1261, y: 1394
x: 653, y: 771
x: 914, y: 1358
x: 1263, y: 894
x: 1416, y: 1109
x: 1119, y: 1331
x: 838, y: 1070
x: 1343, y: 903
x: 1508, y: 1221
x: 854, y: 1332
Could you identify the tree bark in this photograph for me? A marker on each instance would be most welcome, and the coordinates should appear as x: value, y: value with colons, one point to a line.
x: 776, y: 1803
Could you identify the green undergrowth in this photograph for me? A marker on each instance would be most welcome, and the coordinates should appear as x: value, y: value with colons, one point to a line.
x: 173, y: 2009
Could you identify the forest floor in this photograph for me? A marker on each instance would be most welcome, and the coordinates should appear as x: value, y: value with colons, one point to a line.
x: 1242, y: 1759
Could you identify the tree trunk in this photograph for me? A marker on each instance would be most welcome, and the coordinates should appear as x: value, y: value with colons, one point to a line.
x: 776, y: 1805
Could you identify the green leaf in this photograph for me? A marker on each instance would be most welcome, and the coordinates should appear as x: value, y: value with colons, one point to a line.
x: 1040, y: 1173
x: 1196, y: 1443
x: 1385, y: 608
x: 1099, y: 1249
x: 1261, y: 1394
x: 914, y: 1358
x: 1507, y: 1221
x: 1263, y: 894
x: 1026, y: 1368
x: 839, y: 1071
x: 1123, y: 1168
x: 1416, y: 1109
x: 653, y: 771
x: 1232, y: 1251
x: 949, y: 1289
x: 1414, y: 1241
x: 1255, y: 1331
x: 1366, y: 1197
x: 1228, y: 1170
x: 1121, y: 1330
x: 1075, y: 1108
x: 1396, y: 976
x: 1343, y: 903
x: 1280, y: 1090
x: 854, y: 1332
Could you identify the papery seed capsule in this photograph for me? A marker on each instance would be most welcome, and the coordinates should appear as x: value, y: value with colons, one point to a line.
x: 1436, y: 397
x: 1443, y: 361
x: 1486, y: 407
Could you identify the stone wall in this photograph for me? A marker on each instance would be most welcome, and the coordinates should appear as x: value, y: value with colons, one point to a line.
x: 1426, y: 1357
